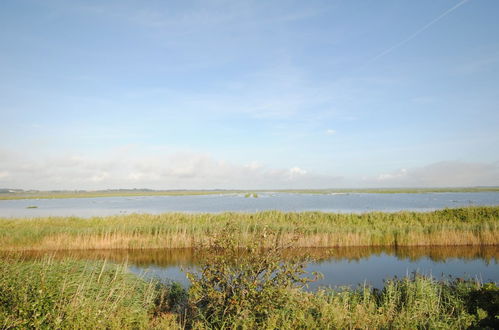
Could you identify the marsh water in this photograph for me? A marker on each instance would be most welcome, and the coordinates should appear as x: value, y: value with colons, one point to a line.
x: 291, y: 202
x: 340, y: 266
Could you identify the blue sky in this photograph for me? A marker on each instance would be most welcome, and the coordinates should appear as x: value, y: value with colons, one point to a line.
x: 248, y: 94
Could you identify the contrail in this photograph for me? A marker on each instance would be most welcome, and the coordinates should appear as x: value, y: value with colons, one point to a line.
x: 415, y: 34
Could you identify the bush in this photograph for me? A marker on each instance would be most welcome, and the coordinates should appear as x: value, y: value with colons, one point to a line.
x: 484, y: 303
x: 243, y: 285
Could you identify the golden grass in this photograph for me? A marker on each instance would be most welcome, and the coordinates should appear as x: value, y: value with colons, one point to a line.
x: 474, y: 226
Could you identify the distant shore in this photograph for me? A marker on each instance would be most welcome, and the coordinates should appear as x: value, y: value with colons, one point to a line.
x: 11, y: 194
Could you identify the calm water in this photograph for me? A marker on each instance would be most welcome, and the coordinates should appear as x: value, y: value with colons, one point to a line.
x: 340, y: 266
x: 353, y: 202
x: 346, y: 266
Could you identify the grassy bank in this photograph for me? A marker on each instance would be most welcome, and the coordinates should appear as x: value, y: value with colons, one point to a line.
x: 69, y: 294
x: 465, y: 226
x: 138, y: 193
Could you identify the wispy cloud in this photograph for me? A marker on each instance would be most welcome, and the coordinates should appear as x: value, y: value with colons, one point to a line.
x: 417, y: 32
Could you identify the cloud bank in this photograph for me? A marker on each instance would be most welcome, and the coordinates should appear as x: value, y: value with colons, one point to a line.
x: 442, y: 174
x: 130, y: 168
x: 161, y: 168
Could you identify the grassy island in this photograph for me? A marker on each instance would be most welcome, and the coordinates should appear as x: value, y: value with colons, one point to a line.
x: 463, y: 226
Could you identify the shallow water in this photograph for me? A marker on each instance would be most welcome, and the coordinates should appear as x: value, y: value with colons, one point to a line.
x: 340, y: 266
x: 344, y: 203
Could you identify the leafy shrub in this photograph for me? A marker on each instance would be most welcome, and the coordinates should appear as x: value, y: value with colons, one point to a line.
x: 237, y: 285
x: 484, y: 303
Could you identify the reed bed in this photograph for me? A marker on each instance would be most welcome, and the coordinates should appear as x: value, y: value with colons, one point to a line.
x: 71, y: 294
x: 475, y: 226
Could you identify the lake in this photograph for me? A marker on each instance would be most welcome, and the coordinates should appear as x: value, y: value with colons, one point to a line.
x: 340, y: 266
x: 345, y: 266
x: 290, y: 202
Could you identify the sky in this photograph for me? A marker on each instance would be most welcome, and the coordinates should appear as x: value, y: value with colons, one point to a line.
x: 248, y: 94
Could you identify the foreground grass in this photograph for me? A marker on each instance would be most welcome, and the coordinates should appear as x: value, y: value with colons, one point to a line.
x: 72, y: 294
x: 465, y: 226
x: 137, y: 193
x: 69, y: 294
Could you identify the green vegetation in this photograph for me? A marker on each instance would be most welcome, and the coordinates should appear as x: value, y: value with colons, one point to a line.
x: 69, y: 294
x: 6, y: 194
x: 32, y: 207
x: 235, y: 284
x: 252, y: 289
x: 108, y: 193
x: 463, y: 226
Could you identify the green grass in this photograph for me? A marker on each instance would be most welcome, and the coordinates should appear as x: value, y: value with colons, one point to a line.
x: 463, y: 226
x: 94, y: 194
x: 69, y: 294
x: 247, y: 193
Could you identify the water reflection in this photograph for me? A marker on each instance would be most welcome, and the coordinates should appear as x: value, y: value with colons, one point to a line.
x: 340, y: 266
x: 187, y: 256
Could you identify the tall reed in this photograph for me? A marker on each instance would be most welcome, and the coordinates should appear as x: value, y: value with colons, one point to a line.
x: 463, y: 226
x: 71, y: 294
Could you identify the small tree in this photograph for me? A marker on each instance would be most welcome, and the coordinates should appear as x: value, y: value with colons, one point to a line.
x: 243, y: 283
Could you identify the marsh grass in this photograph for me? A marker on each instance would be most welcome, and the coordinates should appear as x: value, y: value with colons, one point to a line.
x: 415, y: 302
x: 95, y: 194
x: 464, y: 226
x: 70, y: 294
x: 255, y: 288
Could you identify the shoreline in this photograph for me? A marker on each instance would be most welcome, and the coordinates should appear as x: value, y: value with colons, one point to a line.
x: 127, y: 193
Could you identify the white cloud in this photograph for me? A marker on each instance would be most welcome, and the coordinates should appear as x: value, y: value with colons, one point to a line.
x: 296, y: 172
x: 330, y: 132
x: 254, y: 165
x: 135, y: 168
x: 441, y: 174
x: 390, y: 176
x: 163, y: 168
